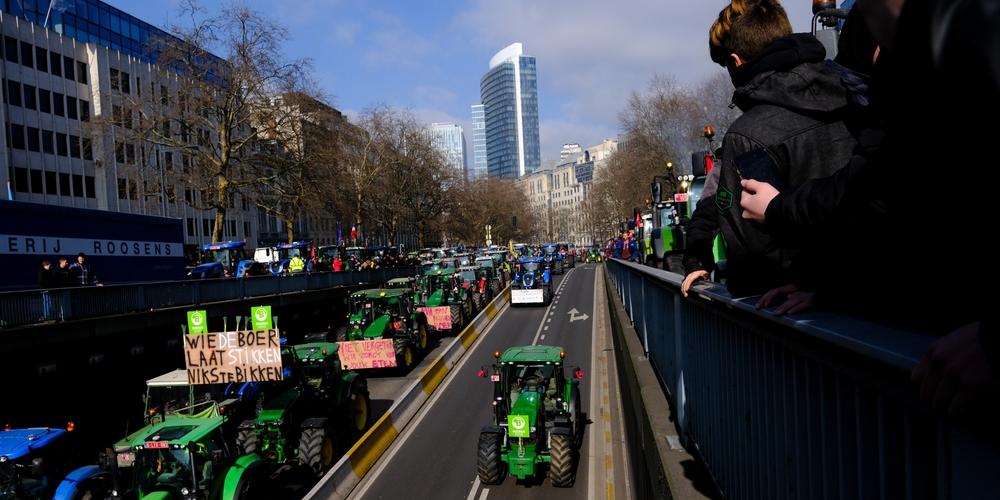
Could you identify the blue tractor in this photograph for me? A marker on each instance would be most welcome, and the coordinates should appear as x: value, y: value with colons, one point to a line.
x: 223, y: 260
x: 532, y: 282
x: 33, y: 462
x: 288, y: 250
x: 554, y: 260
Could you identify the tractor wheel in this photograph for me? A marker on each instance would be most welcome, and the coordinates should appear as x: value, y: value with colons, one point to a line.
x: 422, y: 335
x: 404, y: 353
x: 316, y: 450
x: 495, y: 285
x: 575, y: 414
x: 489, y: 467
x: 340, y: 335
x: 457, y: 317
x: 479, y: 300
x: 562, y: 471
x: 246, y: 441
x: 362, y: 408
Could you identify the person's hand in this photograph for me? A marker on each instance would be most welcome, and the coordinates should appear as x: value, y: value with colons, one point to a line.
x: 690, y: 279
x: 954, y: 374
x: 755, y: 198
x: 796, y: 300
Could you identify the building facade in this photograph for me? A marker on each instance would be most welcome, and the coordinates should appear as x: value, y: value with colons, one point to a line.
x: 509, y: 92
x: 56, y: 87
x: 569, y: 152
x: 478, y: 170
x: 449, y: 139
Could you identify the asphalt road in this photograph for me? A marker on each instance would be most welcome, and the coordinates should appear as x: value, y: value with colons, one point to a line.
x: 435, y: 456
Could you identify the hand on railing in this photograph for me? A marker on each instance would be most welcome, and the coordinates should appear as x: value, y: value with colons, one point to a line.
x: 795, y: 300
x: 955, y: 375
x: 690, y: 279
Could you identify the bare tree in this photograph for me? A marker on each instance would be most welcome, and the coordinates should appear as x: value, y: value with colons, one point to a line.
x: 494, y: 202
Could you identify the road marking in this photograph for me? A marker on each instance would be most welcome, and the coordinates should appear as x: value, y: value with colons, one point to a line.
x: 575, y: 315
x: 542, y: 337
x: 548, y: 320
x: 592, y: 442
x: 546, y: 328
x: 475, y: 486
x: 482, y: 496
x: 549, y: 310
x: 401, y: 439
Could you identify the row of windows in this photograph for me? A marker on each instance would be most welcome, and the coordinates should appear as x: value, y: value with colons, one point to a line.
x: 43, y: 100
x: 47, y: 141
x: 43, y: 60
x: 53, y: 183
x: 208, y: 225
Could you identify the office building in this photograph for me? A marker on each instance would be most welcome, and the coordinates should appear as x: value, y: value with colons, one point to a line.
x: 478, y: 170
x: 509, y: 92
x: 449, y: 139
x: 569, y: 152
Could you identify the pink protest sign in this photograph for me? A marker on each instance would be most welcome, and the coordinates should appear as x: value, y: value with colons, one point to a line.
x: 438, y: 318
x: 364, y: 354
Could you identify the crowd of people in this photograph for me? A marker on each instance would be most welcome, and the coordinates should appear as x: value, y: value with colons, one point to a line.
x: 837, y: 185
x: 65, y: 275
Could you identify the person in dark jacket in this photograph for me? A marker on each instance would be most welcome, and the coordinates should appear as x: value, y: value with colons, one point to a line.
x: 46, y: 275
x: 62, y: 276
x: 700, y: 233
x: 938, y: 72
x: 791, y: 130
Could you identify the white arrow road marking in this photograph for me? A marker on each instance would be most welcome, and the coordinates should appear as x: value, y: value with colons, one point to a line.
x: 575, y: 315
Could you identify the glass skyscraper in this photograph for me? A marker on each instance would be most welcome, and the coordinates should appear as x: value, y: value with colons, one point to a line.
x: 509, y: 93
x: 449, y: 139
x: 478, y: 142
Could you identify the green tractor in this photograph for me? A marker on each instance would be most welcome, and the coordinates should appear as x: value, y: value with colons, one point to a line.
x: 493, y: 272
x: 537, y: 420
x: 442, y: 297
x: 323, y: 409
x: 386, y: 313
x: 476, y: 284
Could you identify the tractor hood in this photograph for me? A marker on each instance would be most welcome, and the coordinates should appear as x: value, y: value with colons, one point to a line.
x: 435, y: 299
x: 377, y: 328
x: 274, y: 410
x: 527, y: 404
x: 207, y: 268
x: 158, y: 495
x: 17, y: 443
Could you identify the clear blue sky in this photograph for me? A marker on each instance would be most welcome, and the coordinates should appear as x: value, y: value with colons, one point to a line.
x: 428, y: 56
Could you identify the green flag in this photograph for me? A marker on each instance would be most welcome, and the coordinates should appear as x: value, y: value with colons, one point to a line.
x: 261, y: 318
x: 197, y: 322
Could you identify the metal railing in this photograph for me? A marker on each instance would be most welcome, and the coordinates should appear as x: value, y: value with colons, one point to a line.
x: 817, y: 407
x: 29, y: 307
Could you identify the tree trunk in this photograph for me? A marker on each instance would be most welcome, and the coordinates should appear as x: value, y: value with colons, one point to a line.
x: 289, y: 233
x: 221, y: 205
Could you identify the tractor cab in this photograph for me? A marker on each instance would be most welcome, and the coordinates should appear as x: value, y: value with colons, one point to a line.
x: 369, y: 306
x: 407, y: 283
x: 222, y: 260
x: 32, y: 461
x: 287, y: 251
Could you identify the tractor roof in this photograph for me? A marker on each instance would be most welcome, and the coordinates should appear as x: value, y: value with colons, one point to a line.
x: 380, y: 293
x: 401, y: 281
x: 169, y: 379
x: 448, y: 271
x: 532, y: 354
x: 17, y: 443
x: 224, y: 245
x: 179, y: 429
x: 316, y: 352
x: 468, y: 268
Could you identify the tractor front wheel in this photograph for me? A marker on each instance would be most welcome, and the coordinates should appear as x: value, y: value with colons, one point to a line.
x: 562, y: 470
x: 246, y: 441
x: 316, y: 450
x: 422, y: 335
x: 489, y: 467
x: 362, y: 412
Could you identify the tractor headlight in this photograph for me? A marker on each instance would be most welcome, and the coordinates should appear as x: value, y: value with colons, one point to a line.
x: 184, y: 491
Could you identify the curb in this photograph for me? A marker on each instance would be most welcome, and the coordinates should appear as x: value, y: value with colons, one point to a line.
x: 352, y: 467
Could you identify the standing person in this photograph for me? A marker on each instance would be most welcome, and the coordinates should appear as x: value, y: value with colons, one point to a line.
x: 63, y: 277
x: 46, y: 275
x: 791, y: 130
x: 338, y: 264
x: 82, y: 271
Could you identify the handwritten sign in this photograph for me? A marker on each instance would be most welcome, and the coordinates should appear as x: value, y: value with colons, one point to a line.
x: 363, y: 354
x: 438, y: 318
x: 221, y: 358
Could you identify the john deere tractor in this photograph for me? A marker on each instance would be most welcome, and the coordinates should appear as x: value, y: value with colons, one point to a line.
x: 442, y: 288
x: 321, y: 411
x: 387, y: 313
x: 537, y: 423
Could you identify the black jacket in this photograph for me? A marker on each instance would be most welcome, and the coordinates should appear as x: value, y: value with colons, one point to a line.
x: 794, y: 106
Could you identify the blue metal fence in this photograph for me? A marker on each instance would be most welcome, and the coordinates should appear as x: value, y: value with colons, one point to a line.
x: 37, y: 306
x: 817, y: 407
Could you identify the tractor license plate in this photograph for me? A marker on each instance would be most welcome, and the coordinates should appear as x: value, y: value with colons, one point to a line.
x: 536, y: 296
x: 125, y: 459
x: 157, y: 445
x: 494, y: 378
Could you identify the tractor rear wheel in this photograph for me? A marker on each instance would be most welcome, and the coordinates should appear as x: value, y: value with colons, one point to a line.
x: 316, y: 449
x: 404, y: 353
x: 422, y: 335
x: 362, y: 408
x: 341, y: 334
x: 562, y: 470
x: 457, y: 317
x: 488, y: 459
x: 246, y: 441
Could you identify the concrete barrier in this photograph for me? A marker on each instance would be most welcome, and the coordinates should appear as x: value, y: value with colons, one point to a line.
x: 352, y: 467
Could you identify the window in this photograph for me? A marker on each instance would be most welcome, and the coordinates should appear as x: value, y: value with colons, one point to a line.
x: 16, y: 136
x: 115, y: 79
x: 72, y: 108
x: 138, y: 86
x: 21, y: 179
x: 33, y: 144
x: 246, y: 229
x: 58, y: 105
x: 74, y: 146
x: 168, y: 161
x: 232, y: 228
x: 30, y: 98
x: 91, y: 191
x: 13, y: 93
x: 27, y: 55
x: 48, y: 145
x: 130, y: 154
x: 88, y: 149
x: 61, y: 144
x: 64, y: 185
x: 44, y: 101
x: 78, y: 185
x: 164, y: 97
x: 55, y: 63
x: 10, y: 49
x: 81, y: 72
x: 119, y: 152
x: 206, y: 229
x: 122, y: 189
x: 68, y: 68
x: 50, y: 183
x: 190, y: 226
x: 41, y: 59
x: 84, y: 110
x: 36, y: 181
